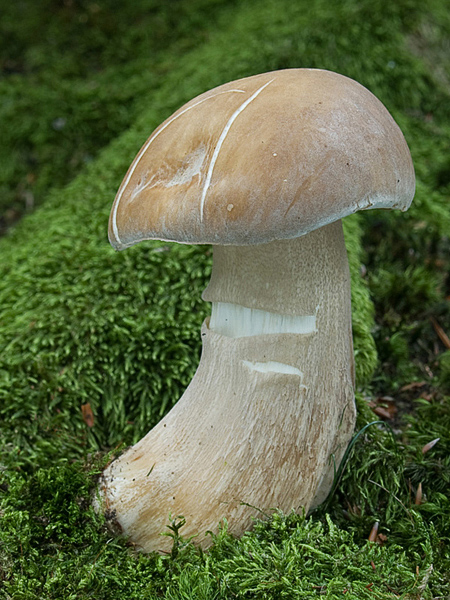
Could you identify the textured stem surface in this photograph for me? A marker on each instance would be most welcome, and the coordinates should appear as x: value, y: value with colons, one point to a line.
x: 266, y: 418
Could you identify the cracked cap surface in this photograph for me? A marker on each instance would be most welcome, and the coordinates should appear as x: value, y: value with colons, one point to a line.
x: 267, y: 157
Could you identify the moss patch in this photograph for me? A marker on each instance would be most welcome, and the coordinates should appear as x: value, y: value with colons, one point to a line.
x: 74, y: 74
x: 81, y: 324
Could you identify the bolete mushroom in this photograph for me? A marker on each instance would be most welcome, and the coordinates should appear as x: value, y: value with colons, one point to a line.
x: 263, y: 169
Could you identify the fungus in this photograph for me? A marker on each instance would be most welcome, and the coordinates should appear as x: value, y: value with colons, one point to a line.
x: 263, y: 168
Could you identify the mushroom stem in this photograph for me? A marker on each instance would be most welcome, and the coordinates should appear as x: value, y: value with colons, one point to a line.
x: 270, y: 410
x: 237, y: 321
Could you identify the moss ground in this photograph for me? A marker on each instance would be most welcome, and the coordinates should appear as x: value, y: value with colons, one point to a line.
x: 74, y: 75
x: 84, y: 84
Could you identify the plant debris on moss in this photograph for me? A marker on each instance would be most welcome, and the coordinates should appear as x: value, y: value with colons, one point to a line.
x: 95, y: 346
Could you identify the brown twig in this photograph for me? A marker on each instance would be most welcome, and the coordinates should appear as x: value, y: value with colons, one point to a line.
x: 430, y: 445
x: 419, y: 494
x: 441, y: 333
x: 374, y: 532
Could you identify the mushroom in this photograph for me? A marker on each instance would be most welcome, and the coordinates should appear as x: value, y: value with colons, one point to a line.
x: 263, y: 169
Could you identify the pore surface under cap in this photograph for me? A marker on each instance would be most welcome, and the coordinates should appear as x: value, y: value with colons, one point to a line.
x: 267, y: 157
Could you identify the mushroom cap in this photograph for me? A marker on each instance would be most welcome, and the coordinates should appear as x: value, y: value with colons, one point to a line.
x: 273, y: 156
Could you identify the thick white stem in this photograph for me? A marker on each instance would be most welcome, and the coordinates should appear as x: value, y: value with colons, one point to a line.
x: 270, y: 410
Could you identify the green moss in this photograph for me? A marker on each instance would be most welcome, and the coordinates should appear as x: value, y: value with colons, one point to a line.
x: 53, y: 545
x: 74, y: 75
x: 362, y: 307
x: 80, y: 323
x: 62, y: 549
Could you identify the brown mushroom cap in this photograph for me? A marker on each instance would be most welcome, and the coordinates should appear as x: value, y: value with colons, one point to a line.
x: 273, y: 156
